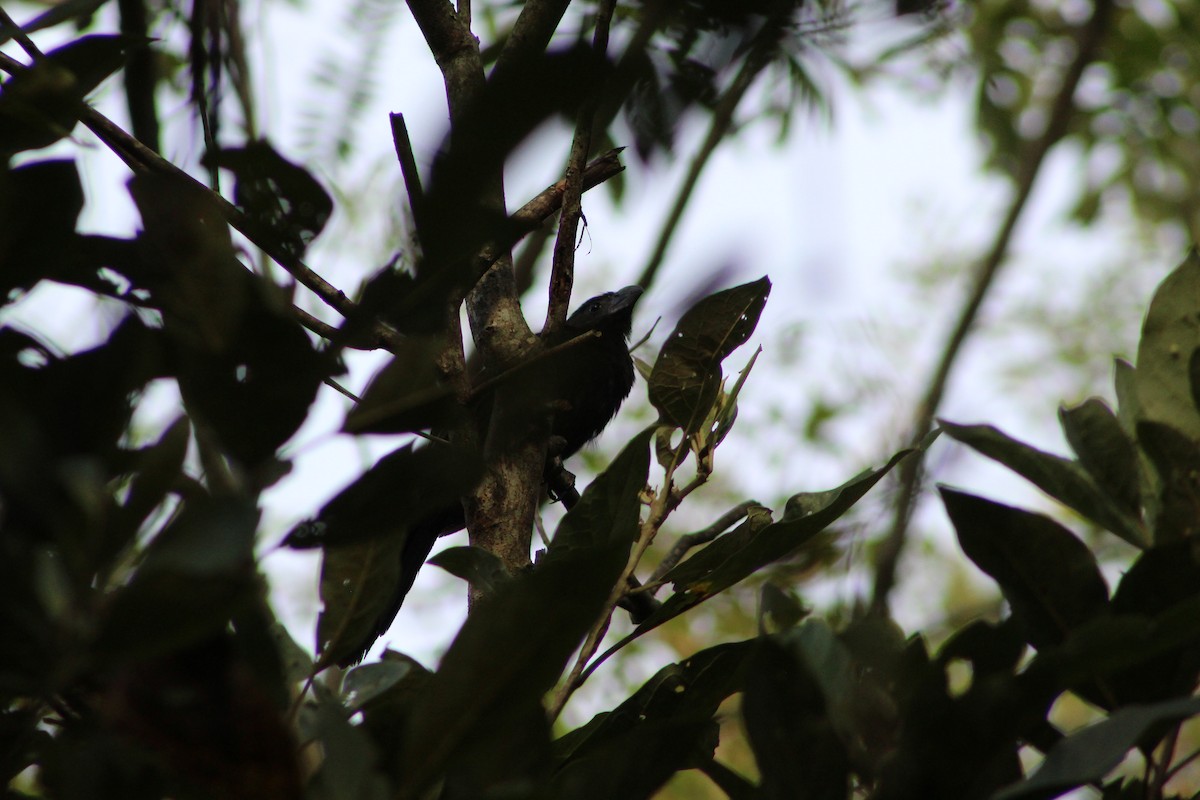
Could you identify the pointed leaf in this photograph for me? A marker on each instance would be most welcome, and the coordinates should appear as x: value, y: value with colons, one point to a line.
x: 1061, y: 478
x: 1105, y: 451
x: 751, y: 547
x: 1176, y: 461
x: 609, y: 511
x: 409, y: 485
x: 480, y: 568
x: 687, y: 374
x: 1170, y: 334
x: 1048, y: 576
x: 690, y: 689
x: 1088, y: 755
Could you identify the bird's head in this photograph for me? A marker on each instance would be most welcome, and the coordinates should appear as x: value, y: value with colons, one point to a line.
x: 611, y: 312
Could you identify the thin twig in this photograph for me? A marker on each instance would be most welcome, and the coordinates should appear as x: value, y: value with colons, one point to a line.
x: 31, y: 49
x: 685, y: 543
x: 666, y: 500
x: 1089, y: 39
x: 409, y: 171
x: 331, y: 383
x: 562, y: 270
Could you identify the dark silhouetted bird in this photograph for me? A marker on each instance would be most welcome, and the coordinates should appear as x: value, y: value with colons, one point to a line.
x: 582, y: 386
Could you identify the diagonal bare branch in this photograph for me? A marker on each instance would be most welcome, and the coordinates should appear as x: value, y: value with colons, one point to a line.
x: 1088, y: 38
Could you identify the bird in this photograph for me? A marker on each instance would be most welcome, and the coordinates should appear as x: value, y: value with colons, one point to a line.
x: 583, y: 386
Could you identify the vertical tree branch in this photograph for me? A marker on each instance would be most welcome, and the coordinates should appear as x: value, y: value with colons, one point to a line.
x: 1088, y: 41
x: 562, y: 273
x: 500, y: 512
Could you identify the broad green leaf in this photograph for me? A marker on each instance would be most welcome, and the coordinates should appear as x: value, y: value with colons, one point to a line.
x: 661, y: 729
x: 1105, y: 451
x: 1048, y: 576
x: 1170, y: 334
x: 1061, y: 478
x: 796, y: 747
x: 609, y: 511
x: 687, y: 375
x: 1088, y: 755
x: 1176, y: 461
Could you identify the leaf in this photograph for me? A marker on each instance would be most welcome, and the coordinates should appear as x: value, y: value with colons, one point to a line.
x: 159, y: 467
x: 795, y: 745
x: 1105, y: 451
x: 408, y: 394
x: 755, y: 543
x: 751, y: 546
x: 608, y: 513
x: 39, y: 208
x: 636, y: 764
x: 406, y: 487
x: 367, y: 686
x: 687, y: 375
x: 1049, y: 577
x: 778, y: 609
x: 1088, y: 755
x: 358, y: 582
x: 527, y: 630
x: 1157, y: 582
x: 1061, y: 478
x: 278, y: 196
x: 480, y: 568
x: 1176, y: 461
x: 256, y: 393
x: 202, y: 289
x: 194, y: 577
x: 660, y: 729
x: 40, y: 104
x: 1170, y: 335
x: 348, y: 766
x: 729, y: 407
